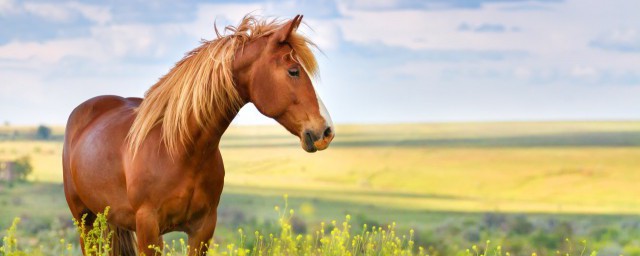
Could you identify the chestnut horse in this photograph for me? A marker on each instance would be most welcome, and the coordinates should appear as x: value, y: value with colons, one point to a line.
x: 156, y: 161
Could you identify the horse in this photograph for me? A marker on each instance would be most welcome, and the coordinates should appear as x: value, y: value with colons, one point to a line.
x: 155, y: 161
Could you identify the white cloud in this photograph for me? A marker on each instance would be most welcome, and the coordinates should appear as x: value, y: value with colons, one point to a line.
x: 98, y: 14
x: 554, y: 42
x: 558, y: 39
x: 122, y: 41
x: 59, y: 12
x: 324, y: 33
x: 49, y: 51
x: 563, y: 26
x: 372, y: 4
x: 50, y: 11
x: 222, y: 14
x: 104, y: 43
x: 621, y: 39
x: 109, y: 42
x: 8, y: 7
x: 522, y: 73
x: 583, y: 71
x: 424, y: 29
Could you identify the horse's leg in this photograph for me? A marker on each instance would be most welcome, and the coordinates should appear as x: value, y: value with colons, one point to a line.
x: 201, y: 233
x: 147, y: 232
x: 78, y: 210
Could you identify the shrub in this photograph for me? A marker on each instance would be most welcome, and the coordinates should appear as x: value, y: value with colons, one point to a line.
x: 23, y: 167
x: 43, y: 132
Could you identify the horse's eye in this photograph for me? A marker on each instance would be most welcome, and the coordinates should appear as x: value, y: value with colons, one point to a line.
x: 294, y: 72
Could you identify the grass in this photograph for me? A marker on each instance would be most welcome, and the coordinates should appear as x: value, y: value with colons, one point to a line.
x: 451, y: 183
x: 566, y: 167
x: 332, y: 239
x: 46, y: 157
x: 45, y: 220
x: 329, y: 239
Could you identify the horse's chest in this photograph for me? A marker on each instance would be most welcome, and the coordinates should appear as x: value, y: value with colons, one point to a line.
x: 191, y: 206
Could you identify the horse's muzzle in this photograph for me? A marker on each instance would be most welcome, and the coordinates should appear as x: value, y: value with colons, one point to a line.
x: 314, y: 141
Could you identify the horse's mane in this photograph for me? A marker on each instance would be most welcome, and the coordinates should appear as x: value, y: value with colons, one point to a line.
x: 200, y: 87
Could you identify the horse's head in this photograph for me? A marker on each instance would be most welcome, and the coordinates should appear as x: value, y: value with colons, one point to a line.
x: 278, y: 82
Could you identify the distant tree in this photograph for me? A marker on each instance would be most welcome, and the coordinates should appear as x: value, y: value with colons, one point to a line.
x: 43, y: 132
x: 23, y: 167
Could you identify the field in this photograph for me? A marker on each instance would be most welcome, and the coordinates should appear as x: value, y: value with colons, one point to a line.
x: 459, y: 182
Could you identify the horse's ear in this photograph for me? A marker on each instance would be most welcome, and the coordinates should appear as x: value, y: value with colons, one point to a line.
x: 285, y: 31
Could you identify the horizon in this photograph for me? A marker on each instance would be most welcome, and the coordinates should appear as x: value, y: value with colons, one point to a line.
x: 383, y: 62
x: 275, y: 124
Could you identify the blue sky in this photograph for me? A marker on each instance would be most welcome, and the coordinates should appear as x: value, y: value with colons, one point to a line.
x: 384, y: 61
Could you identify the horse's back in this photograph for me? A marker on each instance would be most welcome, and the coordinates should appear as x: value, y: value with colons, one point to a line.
x: 88, y: 111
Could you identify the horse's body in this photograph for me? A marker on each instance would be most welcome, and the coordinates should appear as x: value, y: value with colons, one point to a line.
x: 155, y: 161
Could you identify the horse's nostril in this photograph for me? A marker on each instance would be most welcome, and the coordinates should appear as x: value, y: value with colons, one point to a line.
x: 327, y: 132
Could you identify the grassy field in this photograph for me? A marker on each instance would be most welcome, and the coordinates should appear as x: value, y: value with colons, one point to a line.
x: 569, y: 167
x: 458, y: 183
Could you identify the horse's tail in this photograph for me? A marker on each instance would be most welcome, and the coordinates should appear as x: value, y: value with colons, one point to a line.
x: 123, y: 241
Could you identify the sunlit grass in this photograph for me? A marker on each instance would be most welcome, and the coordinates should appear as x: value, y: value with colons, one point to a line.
x: 491, y: 172
x: 333, y: 238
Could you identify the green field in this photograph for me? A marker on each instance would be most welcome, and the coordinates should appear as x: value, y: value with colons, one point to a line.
x: 572, y: 167
x: 437, y: 178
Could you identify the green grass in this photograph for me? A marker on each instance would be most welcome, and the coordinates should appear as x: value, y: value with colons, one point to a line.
x: 565, y: 167
x: 450, y: 182
x: 334, y: 238
x: 45, y: 220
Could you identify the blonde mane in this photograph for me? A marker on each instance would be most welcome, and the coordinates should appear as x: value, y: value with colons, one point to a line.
x: 200, y: 87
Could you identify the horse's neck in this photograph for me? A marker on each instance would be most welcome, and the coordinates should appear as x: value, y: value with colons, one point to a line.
x: 207, y: 139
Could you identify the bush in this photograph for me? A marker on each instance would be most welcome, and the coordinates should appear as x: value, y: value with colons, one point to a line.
x: 23, y: 167
x: 43, y: 132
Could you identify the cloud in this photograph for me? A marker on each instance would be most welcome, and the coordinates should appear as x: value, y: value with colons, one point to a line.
x: 222, y: 14
x: 7, y: 7
x: 621, y: 40
x: 57, y: 12
x: 316, y: 9
x: 555, y: 43
x: 49, y: 11
x: 423, y: 60
x: 418, y: 29
x: 104, y: 44
x: 323, y: 28
x: 487, y: 28
x: 98, y: 14
x: 48, y: 52
x: 106, y: 41
x: 135, y: 40
x: 376, y: 5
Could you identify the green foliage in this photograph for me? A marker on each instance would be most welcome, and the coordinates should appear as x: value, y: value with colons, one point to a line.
x: 97, y: 239
x: 332, y: 239
x: 43, y: 132
x: 23, y: 167
x: 328, y: 239
x: 10, y: 242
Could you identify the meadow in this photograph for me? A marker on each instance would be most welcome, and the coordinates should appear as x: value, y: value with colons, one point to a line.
x: 532, y: 187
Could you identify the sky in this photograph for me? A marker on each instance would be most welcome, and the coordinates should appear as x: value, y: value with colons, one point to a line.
x: 382, y: 61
